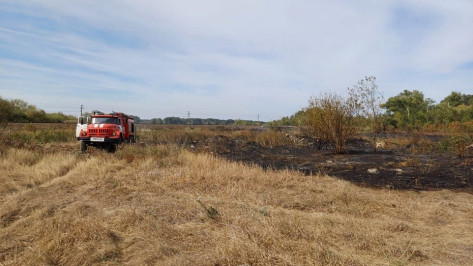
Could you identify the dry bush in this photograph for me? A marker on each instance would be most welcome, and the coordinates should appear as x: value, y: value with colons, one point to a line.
x: 334, y: 119
x: 107, y: 210
x: 460, y: 137
x: 457, y: 140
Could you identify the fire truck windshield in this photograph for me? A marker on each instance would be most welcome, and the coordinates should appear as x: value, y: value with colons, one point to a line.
x: 105, y: 120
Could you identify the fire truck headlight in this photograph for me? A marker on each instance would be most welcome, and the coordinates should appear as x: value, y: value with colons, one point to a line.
x: 84, y: 133
x: 114, y: 133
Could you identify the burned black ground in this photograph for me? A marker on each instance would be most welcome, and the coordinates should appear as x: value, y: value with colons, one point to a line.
x: 413, y: 166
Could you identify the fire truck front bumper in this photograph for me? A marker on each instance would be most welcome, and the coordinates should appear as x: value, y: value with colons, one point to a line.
x: 99, y: 139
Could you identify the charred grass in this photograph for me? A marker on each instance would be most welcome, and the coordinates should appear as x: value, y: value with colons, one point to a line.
x: 161, y: 204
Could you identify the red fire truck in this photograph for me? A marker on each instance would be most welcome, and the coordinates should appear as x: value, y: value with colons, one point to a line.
x: 105, y: 130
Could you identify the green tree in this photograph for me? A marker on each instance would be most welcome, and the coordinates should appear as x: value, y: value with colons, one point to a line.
x: 293, y: 120
x: 241, y: 122
x: 442, y: 113
x: 156, y: 121
x: 19, y: 111
x: 456, y: 98
x: 59, y: 117
x: 409, y: 109
x: 173, y: 120
x: 464, y: 113
x: 36, y: 115
x: 19, y: 108
x: 6, y: 111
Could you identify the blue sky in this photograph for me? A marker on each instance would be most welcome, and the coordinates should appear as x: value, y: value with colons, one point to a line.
x: 227, y: 59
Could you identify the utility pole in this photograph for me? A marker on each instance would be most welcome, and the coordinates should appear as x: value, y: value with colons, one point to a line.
x: 188, y: 114
x: 257, y: 116
x: 81, y: 107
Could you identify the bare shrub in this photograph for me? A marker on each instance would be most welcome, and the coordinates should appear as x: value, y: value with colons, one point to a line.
x: 370, y: 98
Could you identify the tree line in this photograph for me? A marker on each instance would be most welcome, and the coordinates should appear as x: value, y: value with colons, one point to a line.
x: 173, y: 120
x: 334, y: 119
x: 19, y: 111
x: 410, y: 110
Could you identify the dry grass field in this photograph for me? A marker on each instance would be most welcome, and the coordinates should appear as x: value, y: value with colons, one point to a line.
x: 158, y: 203
x: 162, y: 205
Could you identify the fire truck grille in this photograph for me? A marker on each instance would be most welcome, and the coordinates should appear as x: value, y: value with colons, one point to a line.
x: 98, y: 132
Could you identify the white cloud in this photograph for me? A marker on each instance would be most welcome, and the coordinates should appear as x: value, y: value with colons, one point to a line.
x: 230, y: 59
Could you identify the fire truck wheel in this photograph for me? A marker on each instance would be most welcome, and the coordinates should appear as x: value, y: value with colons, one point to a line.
x: 83, y: 146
